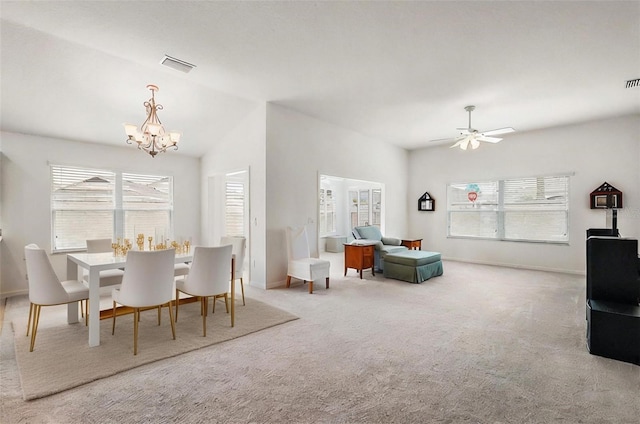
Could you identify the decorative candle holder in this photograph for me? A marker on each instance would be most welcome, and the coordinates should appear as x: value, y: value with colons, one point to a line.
x: 140, y: 241
x: 150, y: 245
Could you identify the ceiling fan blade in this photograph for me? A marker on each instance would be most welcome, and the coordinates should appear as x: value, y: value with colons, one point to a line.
x: 457, y: 143
x: 489, y: 139
x: 465, y: 131
x: 442, y: 140
x: 498, y: 131
x: 464, y: 143
x: 475, y: 143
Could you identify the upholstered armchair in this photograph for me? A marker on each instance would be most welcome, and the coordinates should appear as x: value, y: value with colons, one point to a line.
x: 383, y: 244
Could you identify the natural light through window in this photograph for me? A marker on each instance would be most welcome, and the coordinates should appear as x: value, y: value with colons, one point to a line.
x: 534, y: 209
x: 93, y: 204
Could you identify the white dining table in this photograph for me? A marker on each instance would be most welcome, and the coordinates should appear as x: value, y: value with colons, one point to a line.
x: 96, y: 262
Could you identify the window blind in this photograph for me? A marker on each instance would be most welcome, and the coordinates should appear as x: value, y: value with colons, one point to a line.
x: 82, y: 204
x: 93, y: 204
x: 234, y: 208
x: 147, y: 204
x: 517, y: 209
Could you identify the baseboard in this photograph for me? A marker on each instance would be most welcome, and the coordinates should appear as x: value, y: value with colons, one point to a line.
x: 14, y: 293
x: 276, y: 284
x: 516, y: 266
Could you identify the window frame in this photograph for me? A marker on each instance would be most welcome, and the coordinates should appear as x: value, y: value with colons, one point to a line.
x: 500, y: 210
x: 118, y: 209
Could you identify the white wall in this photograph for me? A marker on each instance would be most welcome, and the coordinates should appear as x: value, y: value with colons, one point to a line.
x: 26, y: 186
x: 595, y: 152
x: 242, y: 148
x: 299, y: 148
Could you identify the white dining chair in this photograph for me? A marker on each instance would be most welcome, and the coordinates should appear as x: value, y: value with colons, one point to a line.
x: 147, y: 283
x: 108, y: 277
x: 300, y: 263
x: 45, y: 289
x: 239, y: 248
x: 209, y: 277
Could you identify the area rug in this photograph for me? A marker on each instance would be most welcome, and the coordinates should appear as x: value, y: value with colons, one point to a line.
x: 62, y: 358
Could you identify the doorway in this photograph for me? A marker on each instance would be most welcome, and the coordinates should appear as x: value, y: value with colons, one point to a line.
x: 345, y: 203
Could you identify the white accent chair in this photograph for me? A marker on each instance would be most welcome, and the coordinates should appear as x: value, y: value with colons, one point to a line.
x: 301, y: 265
x: 239, y: 248
x: 209, y: 277
x: 45, y: 289
x: 147, y: 283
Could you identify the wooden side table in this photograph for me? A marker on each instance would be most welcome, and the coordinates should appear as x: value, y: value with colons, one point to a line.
x: 359, y: 257
x: 412, y: 244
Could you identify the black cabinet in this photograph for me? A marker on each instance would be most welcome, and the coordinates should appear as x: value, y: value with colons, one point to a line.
x: 613, y: 298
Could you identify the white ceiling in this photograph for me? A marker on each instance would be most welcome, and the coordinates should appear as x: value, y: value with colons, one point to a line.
x: 397, y: 71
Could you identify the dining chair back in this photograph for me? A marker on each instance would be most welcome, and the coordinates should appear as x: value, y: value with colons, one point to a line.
x: 108, y: 277
x: 209, y: 276
x: 300, y: 263
x: 45, y: 289
x: 147, y: 283
x: 99, y: 245
x: 239, y: 248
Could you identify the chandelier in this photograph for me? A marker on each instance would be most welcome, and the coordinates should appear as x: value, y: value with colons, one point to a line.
x: 152, y: 137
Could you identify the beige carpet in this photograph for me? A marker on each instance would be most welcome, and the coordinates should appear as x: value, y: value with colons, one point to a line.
x: 64, y: 356
x: 478, y: 345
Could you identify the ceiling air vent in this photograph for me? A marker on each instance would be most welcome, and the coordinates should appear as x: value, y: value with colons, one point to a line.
x: 633, y: 83
x: 177, y: 64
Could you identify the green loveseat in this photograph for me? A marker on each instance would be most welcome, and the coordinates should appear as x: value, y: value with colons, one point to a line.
x: 383, y: 245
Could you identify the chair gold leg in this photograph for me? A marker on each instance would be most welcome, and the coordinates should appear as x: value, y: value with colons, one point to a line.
x: 288, y: 281
x: 327, y: 282
x: 204, y: 315
x: 226, y: 301
x: 173, y: 327
x: 213, y: 309
x: 159, y: 308
x: 311, y: 287
x: 177, y: 303
x: 86, y: 312
x: 29, y: 321
x: 242, y: 288
x: 113, y: 313
x: 82, y: 308
x: 34, y: 330
x: 136, y: 317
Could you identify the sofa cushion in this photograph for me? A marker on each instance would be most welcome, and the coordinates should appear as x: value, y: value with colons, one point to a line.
x: 369, y: 232
x: 413, y: 258
x: 391, y: 241
x: 386, y: 249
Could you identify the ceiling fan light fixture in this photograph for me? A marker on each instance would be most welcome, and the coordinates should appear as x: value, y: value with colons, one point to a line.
x: 470, y: 136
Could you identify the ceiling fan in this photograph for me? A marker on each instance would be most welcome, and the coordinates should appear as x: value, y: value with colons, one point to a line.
x: 470, y: 136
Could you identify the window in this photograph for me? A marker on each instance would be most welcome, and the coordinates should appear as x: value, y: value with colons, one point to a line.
x: 147, y: 204
x: 365, y: 207
x: 520, y: 209
x: 83, y: 206
x: 327, y: 212
x: 234, y: 208
x: 92, y: 203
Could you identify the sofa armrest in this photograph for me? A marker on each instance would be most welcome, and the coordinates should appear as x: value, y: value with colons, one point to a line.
x: 391, y: 241
x: 368, y: 242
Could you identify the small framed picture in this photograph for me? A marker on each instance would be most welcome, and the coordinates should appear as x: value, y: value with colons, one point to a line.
x: 601, y: 201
